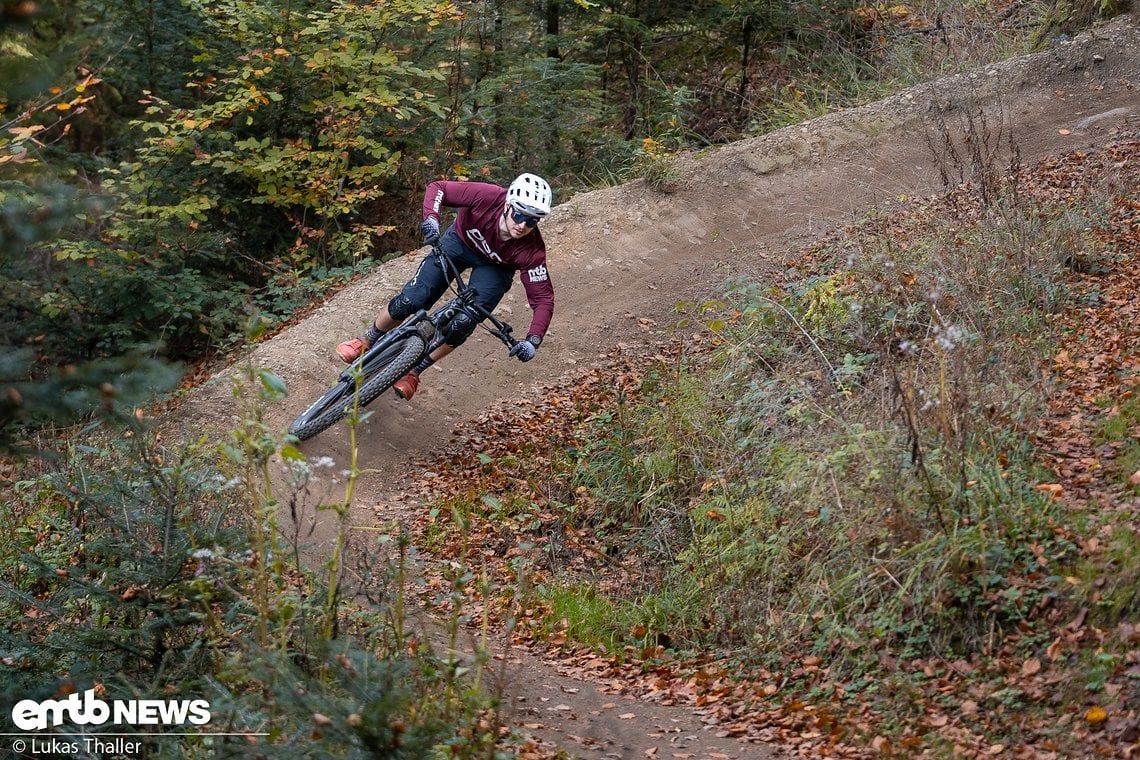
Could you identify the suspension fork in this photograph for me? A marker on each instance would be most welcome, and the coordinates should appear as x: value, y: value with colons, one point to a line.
x: 436, y: 341
x: 464, y: 301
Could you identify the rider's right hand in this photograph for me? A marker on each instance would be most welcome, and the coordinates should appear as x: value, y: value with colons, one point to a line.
x: 430, y: 230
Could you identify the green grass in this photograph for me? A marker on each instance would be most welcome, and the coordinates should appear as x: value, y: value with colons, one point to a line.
x: 850, y: 473
x: 609, y: 622
x: 1116, y: 578
x: 1121, y: 427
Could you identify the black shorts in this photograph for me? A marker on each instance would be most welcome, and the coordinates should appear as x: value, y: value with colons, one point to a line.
x: 489, y: 280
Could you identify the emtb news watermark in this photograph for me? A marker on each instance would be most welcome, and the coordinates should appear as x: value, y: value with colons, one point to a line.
x: 105, y: 724
x: 90, y: 710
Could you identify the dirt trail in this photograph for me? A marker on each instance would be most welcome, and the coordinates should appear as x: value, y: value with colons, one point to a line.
x: 630, y: 252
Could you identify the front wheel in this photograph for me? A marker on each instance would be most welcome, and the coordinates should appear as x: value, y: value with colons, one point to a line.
x: 395, y: 362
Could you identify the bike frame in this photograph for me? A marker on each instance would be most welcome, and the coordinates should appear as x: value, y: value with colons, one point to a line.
x: 430, y: 326
x: 395, y: 353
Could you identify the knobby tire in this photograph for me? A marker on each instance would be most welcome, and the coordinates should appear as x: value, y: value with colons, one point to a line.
x: 341, y: 398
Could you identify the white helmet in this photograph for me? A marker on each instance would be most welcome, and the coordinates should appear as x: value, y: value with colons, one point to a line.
x: 530, y: 194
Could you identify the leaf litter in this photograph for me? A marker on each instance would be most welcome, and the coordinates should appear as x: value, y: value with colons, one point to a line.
x: 1095, y: 371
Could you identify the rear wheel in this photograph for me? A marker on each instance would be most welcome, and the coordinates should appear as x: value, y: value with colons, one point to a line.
x: 395, y: 362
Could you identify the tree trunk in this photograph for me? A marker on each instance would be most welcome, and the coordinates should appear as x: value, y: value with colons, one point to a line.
x: 742, y: 92
x: 553, y: 7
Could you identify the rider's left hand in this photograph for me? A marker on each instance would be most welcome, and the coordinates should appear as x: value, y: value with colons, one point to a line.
x: 524, y: 350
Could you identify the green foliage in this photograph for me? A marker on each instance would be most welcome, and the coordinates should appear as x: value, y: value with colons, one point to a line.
x: 1069, y: 16
x: 29, y: 212
x: 35, y: 48
x: 111, y: 389
x: 1118, y: 430
x: 307, y: 123
x: 610, y: 622
x: 645, y: 487
x: 284, y: 140
x: 98, y: 546
x: 158, y: 191
x: 148, y: 572
x: 655, y: 165
x: 850, y: 470
x: 152, y: 55
x: 506, y: 106
x: 296, y: 139
x: 33, y: 397
x: 298, y: 127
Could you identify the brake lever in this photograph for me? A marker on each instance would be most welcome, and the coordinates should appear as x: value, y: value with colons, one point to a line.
x: 504, y: 335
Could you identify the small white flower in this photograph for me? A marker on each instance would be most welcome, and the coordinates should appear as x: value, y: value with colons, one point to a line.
x: 949, y: 338
x: 203, y: 554
x: 299, y: 468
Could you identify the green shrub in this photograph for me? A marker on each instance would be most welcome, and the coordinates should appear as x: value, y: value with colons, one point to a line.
x: 149, y: 571
x: 851, y: 468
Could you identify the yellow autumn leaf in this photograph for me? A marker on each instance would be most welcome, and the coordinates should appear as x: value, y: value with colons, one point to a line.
x: 1096, y: 715
x: 22, y: 133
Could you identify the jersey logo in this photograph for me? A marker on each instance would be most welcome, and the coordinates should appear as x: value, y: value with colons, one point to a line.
x: 481, y: 244
x: 538, y: 274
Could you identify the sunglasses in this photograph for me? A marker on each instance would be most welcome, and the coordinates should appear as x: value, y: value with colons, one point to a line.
x: 521, y: 218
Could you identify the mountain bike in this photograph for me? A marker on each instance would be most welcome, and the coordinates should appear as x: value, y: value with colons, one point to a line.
x: 394, y: 355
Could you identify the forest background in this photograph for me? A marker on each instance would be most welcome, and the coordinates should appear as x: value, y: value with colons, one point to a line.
x: 179, y: 178
x: 201, y: 164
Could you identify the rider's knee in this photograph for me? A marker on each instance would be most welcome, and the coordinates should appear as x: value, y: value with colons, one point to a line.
x: 401, y: 307
x: 460, y: 328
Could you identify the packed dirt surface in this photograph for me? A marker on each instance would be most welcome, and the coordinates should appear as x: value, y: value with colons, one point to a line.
x: 621, y: 259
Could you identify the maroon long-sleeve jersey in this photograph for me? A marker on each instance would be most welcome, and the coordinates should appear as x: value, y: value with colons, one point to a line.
x: 479, y: 206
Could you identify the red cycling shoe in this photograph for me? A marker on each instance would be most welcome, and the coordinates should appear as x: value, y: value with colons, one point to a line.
x: 350, y: 350
x: 407, y: 386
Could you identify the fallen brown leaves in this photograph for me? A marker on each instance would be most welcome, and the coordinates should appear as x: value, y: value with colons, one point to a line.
x: 500, y: 460
x: 1097, y: 370
x: 1033, y: 702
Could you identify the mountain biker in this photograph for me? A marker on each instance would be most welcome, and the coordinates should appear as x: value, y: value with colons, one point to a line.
x: 494, y: 235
